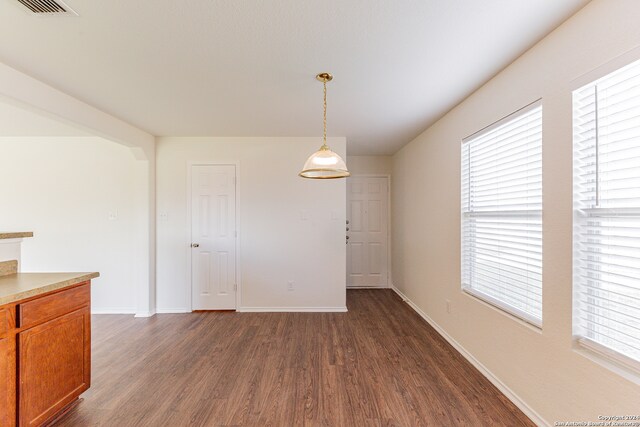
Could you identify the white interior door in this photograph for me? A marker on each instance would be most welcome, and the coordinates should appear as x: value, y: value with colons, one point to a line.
x: 367, y: 232
x: 213, y: 237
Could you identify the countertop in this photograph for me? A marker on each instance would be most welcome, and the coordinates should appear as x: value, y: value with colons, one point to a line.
x: 16, y: 287
x: 15, y: 234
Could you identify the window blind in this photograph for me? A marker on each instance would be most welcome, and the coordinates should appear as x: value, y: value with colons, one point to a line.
x: 606, y: 132
x: 502, y: 214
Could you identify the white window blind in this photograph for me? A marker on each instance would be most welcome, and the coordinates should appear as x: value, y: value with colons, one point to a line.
x: 606, y: 123
x: 502, y: 214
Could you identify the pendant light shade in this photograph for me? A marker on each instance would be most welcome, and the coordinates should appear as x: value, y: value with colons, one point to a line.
x: 324, y: 163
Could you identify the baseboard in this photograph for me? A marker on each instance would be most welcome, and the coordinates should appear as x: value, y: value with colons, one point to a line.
x: 368, y: 287
x: 113, y: 311
x: 510, y: 394
x: 263, y: 310
x: 292, y: 309
x: 172, y: 311
x: 145, y: 314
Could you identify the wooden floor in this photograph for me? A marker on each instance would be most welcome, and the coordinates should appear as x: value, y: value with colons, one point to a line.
x: 379, y: 364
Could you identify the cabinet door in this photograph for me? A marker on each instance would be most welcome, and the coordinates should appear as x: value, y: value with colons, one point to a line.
x: 54, y: 365
x: 5, y: 384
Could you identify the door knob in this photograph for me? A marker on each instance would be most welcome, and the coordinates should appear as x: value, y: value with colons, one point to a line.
x: 195, y: 245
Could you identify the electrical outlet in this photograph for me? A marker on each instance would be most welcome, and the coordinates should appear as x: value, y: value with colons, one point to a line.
x: 113, y: 215
x: 290, y: 285
x: 448, y: 307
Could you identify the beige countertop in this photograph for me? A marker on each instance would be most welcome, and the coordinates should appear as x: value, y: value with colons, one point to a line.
x: 15, y: 235
x: 16, y: 287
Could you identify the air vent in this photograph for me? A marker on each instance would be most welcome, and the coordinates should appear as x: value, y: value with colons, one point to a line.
x: 47, y: 7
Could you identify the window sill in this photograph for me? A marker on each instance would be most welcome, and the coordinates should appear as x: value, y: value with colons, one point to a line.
x: 512, y: 312
x: 609, y: 359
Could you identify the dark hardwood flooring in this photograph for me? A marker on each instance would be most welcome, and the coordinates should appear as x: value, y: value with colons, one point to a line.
x: 379, y: 364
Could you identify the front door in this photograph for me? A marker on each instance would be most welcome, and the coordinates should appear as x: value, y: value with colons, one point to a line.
x: 213, y: 237
x: 367, y: 232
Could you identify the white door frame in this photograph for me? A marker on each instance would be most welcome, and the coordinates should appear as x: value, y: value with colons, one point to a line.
x: 190, y: 164
x: 390, y: 274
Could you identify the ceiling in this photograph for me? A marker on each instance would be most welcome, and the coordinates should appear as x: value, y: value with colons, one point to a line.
x: 246, y: 68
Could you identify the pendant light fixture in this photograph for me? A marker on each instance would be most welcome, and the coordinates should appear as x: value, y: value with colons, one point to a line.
x: 324, y: 163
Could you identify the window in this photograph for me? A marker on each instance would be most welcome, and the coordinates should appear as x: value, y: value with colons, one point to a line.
x: 502, y: 214
x: 606, y: 134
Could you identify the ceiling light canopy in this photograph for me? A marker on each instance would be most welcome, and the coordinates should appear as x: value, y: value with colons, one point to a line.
x: 324, y: 163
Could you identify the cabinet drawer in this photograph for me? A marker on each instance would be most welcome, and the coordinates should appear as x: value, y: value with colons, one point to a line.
x: 4, y: 321
x: 54, y: 305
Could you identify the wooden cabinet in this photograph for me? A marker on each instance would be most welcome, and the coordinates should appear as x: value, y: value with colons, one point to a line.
x: 5, y: 402
x: 46, y: 355
x: 7, y: 368
x: 54, y: 366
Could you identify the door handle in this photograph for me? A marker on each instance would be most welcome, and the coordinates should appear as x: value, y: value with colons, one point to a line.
x: 195, y: 245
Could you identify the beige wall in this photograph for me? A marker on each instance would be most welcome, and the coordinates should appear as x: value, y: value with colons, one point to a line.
x: 85, y: 200
x: 555, y: 381
x: 369, y: 165
x: 290, y: 228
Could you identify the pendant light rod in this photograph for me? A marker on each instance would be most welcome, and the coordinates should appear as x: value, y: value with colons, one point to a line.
x: 324, y: 116
x: 324, y: 78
